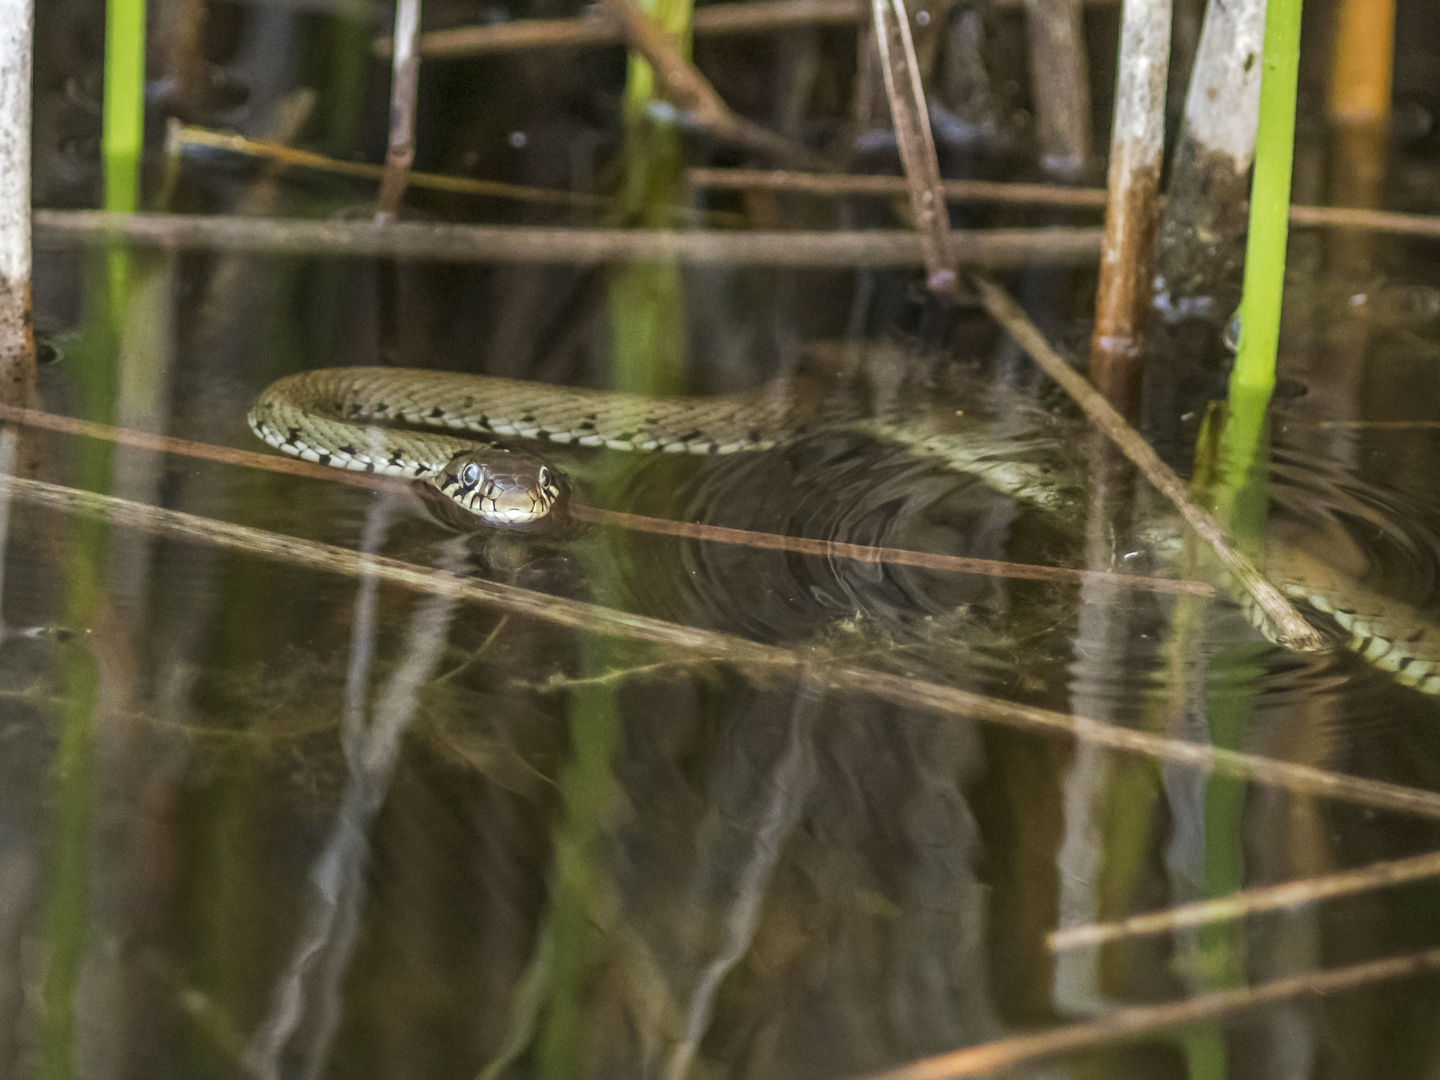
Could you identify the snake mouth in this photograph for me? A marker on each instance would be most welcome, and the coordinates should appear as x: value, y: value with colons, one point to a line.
x: 500, y: 487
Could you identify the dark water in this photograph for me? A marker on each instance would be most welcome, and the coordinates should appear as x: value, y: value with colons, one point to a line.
x: 261, y: 819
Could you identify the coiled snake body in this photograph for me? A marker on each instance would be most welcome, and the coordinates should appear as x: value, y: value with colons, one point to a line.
x: 334, y: 416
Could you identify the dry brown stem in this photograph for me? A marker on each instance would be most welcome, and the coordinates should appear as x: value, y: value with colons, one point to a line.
x: 995, y: 248
x: 165, y: 444
x: 894, y: 556
x: 897, y: 689
x: 1291, y: 629
x: 992, y: 1057
x: 1060, y: 81
x: 840, y: 184
x: 750, y: 17
x: 186, y: 135
x: 1123, y: 297
x: 404, y: 81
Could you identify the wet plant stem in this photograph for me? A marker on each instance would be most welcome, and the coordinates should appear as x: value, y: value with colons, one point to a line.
x: 1240, y: 500
x: 1254, y: 375
x: 404, y: 81
x: 17, y: 341
x: 1123, y: 295
x: 646, y: 301
x: 123, y: 133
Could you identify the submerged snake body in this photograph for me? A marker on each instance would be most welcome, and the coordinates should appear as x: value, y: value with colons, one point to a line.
x: 335, y: 416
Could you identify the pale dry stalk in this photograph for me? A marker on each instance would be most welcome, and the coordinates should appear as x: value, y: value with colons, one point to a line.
x: 1122, y: 299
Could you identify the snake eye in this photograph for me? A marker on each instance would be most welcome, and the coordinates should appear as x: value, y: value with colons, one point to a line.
x: 470, y: 474
x: 544, y: 477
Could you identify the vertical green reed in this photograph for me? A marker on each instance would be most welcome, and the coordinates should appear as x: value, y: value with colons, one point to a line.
x: 123, y: 134
x: 68, y: 895
x: 1213, y: 958
x: 108, y: 288
x: 647, y: 303
x: 1254, y: 375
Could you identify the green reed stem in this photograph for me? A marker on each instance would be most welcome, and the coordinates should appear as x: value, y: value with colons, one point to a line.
x: 123, y: 132
x: 1269, y: 203
x: 590, y: 793
x: 647, y: 300
x: 1240, y: 500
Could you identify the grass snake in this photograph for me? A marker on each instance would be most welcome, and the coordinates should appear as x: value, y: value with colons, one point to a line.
x: 348, y: 417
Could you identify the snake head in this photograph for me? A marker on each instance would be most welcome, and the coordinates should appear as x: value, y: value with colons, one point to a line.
x: 501, y: 487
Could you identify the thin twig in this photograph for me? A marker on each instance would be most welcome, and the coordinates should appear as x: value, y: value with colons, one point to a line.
x: 1123, y: 298
x: 404, y: 82
x: 839, y: 184
x: 911, y: 117
x: 166, y: 444
x: 991, y: 248
x: 752, y: 17
x: 1291, y: 630
x: 330, y: 558
x: 1384, y: 221
x: 684, y: 87
x: 592, y: 618
x: 992, y: 1057
x: 17, y: 338
x: 184, y: 135
x: 1248, y: 902
x: 1300, y: 779
x: 888, y: 555
x: 1060, y: 85
x: 1367, y: 425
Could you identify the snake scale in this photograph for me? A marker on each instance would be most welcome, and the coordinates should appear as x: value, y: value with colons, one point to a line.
x: 346, y: 417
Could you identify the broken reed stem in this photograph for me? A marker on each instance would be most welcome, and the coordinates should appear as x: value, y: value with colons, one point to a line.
x: 1123, y: 298
x: 1248, y: 902
x: 1293, y: 631
x: 677, y: 80
x: 123, y: 126
x: 995, y: 248
x: 835, y: 185
x: 1362, y: 67
x: 277, y: 463
x: 17, y: 340
x: 591, y: 618
x: 865, y: 553
x: 680, y: 83
x: 911, y: 118
x: 183, y: 135
x: 752, y: 17
x: 404, y: 83
x: 1132, y: 1023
